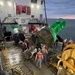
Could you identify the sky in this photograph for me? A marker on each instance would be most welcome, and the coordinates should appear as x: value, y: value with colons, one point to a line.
x: 60, y: 9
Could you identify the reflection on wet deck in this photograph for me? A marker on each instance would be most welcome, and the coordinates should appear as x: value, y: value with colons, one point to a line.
x: 13, y: 59
x: 15, y: 56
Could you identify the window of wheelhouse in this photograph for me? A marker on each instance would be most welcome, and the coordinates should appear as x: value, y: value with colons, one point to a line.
x: 33, y: 1
x: 41, y: 2
x: 32, y: 16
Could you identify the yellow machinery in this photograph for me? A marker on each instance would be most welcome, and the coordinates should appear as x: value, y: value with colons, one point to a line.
x: 67, y: 60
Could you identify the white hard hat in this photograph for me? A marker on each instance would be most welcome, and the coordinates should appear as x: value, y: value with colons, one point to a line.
x: 65, y: 40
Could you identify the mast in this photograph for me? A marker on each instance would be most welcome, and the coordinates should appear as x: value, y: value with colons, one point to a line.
x: 45, y: 11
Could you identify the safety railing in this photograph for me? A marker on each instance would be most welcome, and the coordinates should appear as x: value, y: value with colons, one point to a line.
x: 2, y: 16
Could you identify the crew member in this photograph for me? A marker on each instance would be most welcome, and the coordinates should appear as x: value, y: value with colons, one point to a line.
x: 64, y: 43
x: 45, y: 52
x: 39, y: 58
x: 24, y: 46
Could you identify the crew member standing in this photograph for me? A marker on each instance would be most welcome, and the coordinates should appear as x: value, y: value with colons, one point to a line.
x: 39, y: 58
x: 44, y: 52
x: 64, y: 44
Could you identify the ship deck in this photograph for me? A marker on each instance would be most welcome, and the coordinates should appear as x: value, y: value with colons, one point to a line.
x: 13, y: 58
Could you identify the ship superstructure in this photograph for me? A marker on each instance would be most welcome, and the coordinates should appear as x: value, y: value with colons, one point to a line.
x: 21, y: 10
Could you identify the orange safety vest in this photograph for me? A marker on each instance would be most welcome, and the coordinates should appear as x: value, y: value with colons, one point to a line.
x: 39, y: 55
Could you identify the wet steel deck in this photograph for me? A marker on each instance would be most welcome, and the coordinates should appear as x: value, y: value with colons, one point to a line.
x: 13, y: 59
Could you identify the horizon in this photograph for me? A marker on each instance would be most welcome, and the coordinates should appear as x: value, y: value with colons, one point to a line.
x: 62, y: 18
x: 60, y: 9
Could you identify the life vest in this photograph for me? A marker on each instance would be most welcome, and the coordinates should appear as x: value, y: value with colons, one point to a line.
x: 39, y: 55
x: 33, y: 28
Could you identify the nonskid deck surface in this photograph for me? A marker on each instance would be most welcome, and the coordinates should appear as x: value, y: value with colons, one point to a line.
x: 13, y: 59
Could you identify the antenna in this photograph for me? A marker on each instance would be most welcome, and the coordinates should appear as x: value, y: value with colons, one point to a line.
x: 45, y: 11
